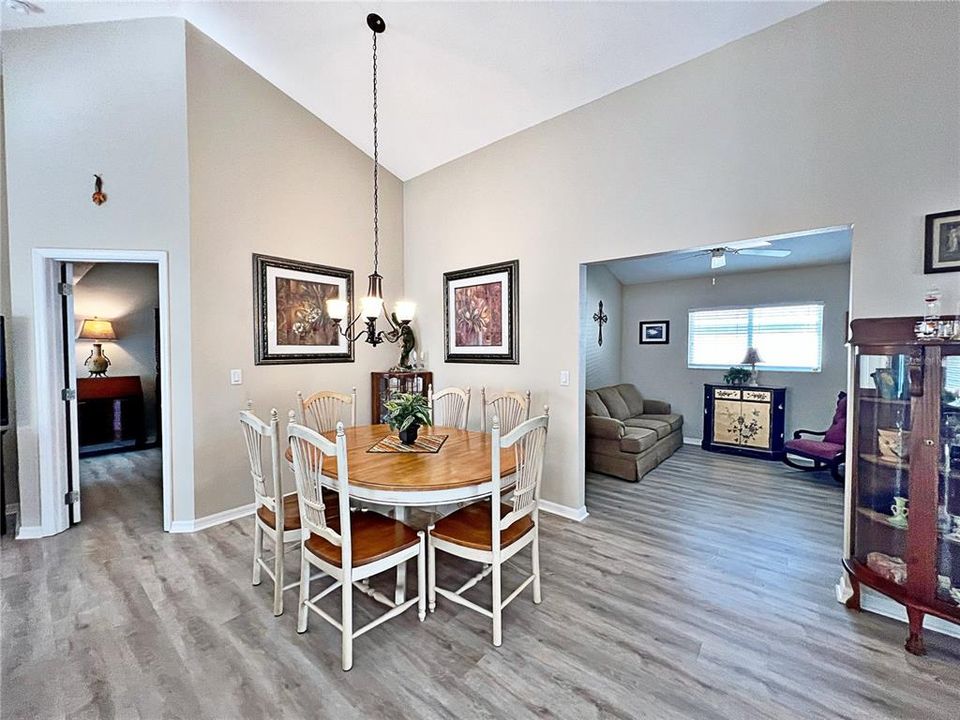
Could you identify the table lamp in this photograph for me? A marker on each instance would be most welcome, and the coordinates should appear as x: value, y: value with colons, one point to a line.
x: 96, y: 329
x: 752, y: 358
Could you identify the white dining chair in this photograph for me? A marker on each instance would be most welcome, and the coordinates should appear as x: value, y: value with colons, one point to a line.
x: 510, y: 406
x: 491, y: 532
x: 323, y: 410
x: 449, y: 407
x: 356, y: 547
x: 278, y: 526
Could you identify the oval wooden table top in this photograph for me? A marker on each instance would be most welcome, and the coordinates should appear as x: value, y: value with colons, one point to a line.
x: 460, y: 470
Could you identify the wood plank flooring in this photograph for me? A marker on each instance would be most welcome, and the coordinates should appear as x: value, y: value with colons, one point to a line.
x: 705, y: 591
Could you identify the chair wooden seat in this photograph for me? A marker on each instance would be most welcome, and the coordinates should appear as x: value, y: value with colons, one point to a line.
x: 374, y: 537
x: 472, y: 527
x: 291, y: 513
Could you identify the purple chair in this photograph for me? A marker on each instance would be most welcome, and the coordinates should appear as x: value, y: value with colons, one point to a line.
x: 826, y: 453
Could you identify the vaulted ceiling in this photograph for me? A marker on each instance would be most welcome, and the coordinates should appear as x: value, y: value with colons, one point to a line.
x: 454, y: 76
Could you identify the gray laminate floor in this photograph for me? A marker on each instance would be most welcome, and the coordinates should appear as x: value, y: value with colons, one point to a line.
x: 705, y: 591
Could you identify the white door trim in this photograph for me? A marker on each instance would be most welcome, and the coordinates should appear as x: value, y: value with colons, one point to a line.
x: 51, y: 430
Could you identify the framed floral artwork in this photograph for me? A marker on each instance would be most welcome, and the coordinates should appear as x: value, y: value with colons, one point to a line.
x: 481, y: 314
x: 290, y: 318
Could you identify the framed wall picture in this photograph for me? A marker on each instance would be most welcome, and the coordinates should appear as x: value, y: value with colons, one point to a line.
x: 481, y: 314
x: 941, y: 252
x: 290, y: 318
x: 655, y: 332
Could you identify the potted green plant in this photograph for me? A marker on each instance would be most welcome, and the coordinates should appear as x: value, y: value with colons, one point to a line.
x: 406, y: 412
x: 737, y: 376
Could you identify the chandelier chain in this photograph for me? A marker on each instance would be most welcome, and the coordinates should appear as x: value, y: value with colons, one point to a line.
x: 376, y: 166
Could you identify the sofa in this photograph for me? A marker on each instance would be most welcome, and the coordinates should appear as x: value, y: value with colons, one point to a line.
x: 628, y: 435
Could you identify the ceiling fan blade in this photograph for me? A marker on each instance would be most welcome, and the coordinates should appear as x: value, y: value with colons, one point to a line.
x: 765, y: 253
x: 717, y: 261
x: 744, y: 244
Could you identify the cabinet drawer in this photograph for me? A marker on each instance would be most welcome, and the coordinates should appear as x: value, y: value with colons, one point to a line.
x: 726, y: 394
x: 757, y: 395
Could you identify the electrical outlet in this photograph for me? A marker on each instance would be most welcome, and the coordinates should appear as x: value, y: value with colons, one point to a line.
x: 564, y: 377
x: 236, y: 377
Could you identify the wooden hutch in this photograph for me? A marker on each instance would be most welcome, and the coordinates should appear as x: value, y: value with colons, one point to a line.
x: 905, y: 511
x: 383, y: 385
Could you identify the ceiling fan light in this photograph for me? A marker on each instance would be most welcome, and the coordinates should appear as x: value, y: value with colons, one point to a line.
x: 717, y: 261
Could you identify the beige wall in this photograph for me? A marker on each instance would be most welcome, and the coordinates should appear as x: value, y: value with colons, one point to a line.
x: 266, y: 176
x: 127, y: 294
x: 601, y: 362
x: 844, y: 114
x: 660, y: 371
x: 104, y: 98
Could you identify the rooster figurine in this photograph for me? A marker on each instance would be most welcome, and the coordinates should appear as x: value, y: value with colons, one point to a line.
x: 99, y: 196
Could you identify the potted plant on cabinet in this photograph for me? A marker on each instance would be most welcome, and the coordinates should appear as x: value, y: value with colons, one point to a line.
x: 737, y: 376
x: 406, y: 412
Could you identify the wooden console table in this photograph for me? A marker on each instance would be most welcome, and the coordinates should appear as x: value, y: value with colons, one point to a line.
x: 110, y: 413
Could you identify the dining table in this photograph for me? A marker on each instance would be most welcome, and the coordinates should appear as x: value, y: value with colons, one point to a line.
x: 446, y: 466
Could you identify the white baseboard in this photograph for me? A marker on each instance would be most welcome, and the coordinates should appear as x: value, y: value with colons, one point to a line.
x: 692, y: 441
x: 208, y: 521
x: 579, y: 514
x: 874, y: 602
x: 30, y: 532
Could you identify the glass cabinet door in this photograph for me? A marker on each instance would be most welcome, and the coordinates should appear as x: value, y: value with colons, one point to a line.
x: 881, y: 496
x: 948, y: 465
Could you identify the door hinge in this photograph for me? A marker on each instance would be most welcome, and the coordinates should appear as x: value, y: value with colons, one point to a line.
x: 71, y: 497
x: 65, y: 288
x: 68, y: 394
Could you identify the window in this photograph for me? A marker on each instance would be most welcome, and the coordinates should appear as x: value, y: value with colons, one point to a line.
x: 787, y: 337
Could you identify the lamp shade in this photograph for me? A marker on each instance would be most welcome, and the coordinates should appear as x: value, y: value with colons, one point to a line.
x: 752, y: 357
x: 97, y: 329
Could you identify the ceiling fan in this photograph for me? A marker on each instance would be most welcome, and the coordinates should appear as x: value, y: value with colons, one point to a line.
x: 718, y: 255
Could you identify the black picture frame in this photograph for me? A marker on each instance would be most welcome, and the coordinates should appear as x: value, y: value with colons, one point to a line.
x: 263, y: 353
x: 509, y: 354
x: 942, y: 229
x: 654, y: 332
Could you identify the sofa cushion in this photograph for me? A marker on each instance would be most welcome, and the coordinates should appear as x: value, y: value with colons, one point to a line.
x: 632, y: 397
x: 672, y: 419
x: 638, y: 440
x: 661, y: 428
x: 595, y: 405
x: 656, y: 407
x: 604, y: 427
x: 614, y: 402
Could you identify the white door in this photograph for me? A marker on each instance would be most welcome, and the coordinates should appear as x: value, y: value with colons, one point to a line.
x: 70, y: 396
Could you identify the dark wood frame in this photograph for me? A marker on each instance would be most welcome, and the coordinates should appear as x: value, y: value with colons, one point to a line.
x: 261, y: 354
x: 512, y: 357
x: 666, y: 334
x: 886, y: 336
x: 929, y: 241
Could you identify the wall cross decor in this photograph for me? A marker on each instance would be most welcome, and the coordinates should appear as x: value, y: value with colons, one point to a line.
x: 600, y: 317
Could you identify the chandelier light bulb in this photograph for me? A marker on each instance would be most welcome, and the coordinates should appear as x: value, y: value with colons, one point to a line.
x: 405, y: 310
x: 337, y: 309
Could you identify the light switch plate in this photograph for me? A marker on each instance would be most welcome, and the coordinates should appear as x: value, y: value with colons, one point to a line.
x: 236, y: 377
x: 564, y: 377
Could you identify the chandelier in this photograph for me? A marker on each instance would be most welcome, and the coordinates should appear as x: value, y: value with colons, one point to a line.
x: 371, y: 306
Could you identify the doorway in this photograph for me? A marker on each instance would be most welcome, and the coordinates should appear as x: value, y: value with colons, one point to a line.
x: 102, y: 338
x: 675, y: 323
x: 115, y: 338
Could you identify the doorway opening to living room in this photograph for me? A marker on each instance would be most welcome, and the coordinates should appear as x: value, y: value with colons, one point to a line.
x: 701, y: 364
